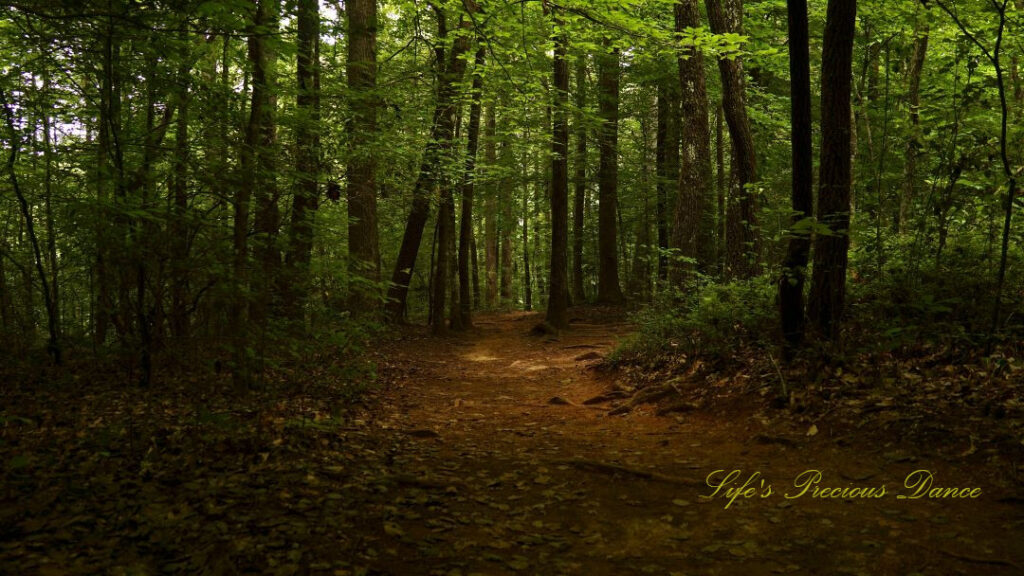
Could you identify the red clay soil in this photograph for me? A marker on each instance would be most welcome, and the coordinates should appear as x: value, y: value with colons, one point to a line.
x: 506, y: 471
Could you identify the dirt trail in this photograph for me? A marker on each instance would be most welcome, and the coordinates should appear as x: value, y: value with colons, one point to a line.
x: 494, y: 477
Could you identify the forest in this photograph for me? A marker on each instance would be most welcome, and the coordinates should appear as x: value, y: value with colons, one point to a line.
x: 454, y: 287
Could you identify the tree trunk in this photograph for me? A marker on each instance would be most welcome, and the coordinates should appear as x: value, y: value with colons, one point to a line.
x: 440, y: 143
x: 53, y: 345
x: 579, y: 294
x: 726, y: 17
x: 691, y: 233
x: 527, y: 280
x: 442, y: 263
x: 914, y: 143
x: 468, y: 184
x: 51, y: 232
x: 307, y: 143
x: 505, y: 226
x: 254, y: 173
x: 180, y: 228
x: 667, y: 160
x: 794, y: 269
x: 721, y: 190
x: 262, y: 137
x: 558, y: 284
x: 491, y: 209
x: 828, y: 282
x: 608, y: 289
x: 473, y: 251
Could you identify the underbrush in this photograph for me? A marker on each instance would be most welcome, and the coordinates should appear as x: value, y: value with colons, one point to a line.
x: 181, y: 472
x: 916, y: 359
x: 908, y: 311
x: 713, y: 321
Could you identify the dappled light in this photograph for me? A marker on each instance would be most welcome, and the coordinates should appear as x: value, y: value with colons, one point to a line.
x: 497, y: 287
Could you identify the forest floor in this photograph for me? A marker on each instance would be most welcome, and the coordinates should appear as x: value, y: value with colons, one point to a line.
x: 481, y: 455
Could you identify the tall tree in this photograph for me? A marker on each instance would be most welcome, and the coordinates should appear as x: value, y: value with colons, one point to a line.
x: 914, y: 142
x: 506, y: 224
x: 579, y: 294
x: 180, y: 229
x: 726, y: 17
x: 558, y: 297
x: 691, y: 235
x: 828, y: 281
x: 363, y: 242
x: 442, y: 134
x: 466, y: 246
x: 667, y: 162
x: 794, y: 268
x: 491, y: 208
x: 256, y: 171
x: 263, y: 141
x: 53, y: 345
x: 608, y: 289
x: 307, y: 147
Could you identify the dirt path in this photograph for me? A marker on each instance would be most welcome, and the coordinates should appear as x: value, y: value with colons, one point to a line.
x: 504, y: 470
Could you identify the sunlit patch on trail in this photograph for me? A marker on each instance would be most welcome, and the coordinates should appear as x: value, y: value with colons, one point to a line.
x: 527, y: 366
x: 479, y: 357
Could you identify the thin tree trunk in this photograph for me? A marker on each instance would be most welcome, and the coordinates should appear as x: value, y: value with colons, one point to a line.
x: 263, y: 140
x: 558, y: 284
x: 914, y: 142
x: 828, y: 282
x: 527, y: 281
x: 254, y: 173
x: 491, y: 209
x: 726, y: 17
x: 468, y: 183
x: 475, y: 264
x: 794, y: 268
x: 51, y: 232
x: 180, y: 228
x: 307, y: 144
x: 721, y: 189
x: 439, y: 145
x: 505, y: 226
x: 608, y: 289
x: 667, y: 160
x: 579, y: 294
x: 53, y: 345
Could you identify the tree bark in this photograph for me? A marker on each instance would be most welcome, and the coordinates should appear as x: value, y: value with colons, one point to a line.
x: 440, y: 143
x: 667, y: 161
x: 828, y: 281
x: 363, y: 241
x: 527, y: 280
x: 691, y: 233
x: 608, y: 289
x: 53, y: 345
x: 468, y: 185
x: 726, y: 16
x: 794, y: 268
x: 558, y: 284
x: 914, y: 144
x: 579, y: 294
x: 307, y: 145
x: 262, y: 138
x: 491, y: 209
x: 505, y: 226
x: 180, y: 229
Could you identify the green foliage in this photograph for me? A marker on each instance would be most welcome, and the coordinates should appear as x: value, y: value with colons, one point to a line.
x: 712, y: 320
x: 944, y: 303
